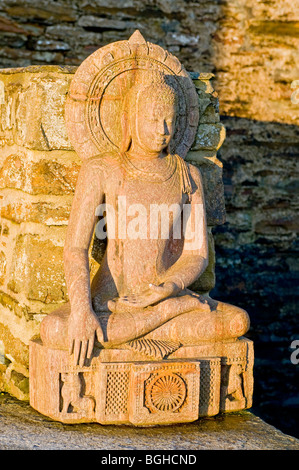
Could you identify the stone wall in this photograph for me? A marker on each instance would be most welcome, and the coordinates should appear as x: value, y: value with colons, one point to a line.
x: 66, y: 31
x: 256, y: 51
x: 252, y: 48
x: 37, y: 180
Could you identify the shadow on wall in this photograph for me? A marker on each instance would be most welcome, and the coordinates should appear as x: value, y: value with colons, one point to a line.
x: 257, y: 255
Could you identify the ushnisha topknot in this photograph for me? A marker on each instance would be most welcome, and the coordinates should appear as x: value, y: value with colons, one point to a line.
x: 157, y: 85
x: 140, y: 93
x: 162, y: 92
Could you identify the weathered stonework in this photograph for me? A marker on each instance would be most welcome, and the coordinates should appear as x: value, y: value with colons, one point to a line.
x: 38, y: 175
x: 122, y: 387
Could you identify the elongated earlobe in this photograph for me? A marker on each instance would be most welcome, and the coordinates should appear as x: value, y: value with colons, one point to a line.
x: 170, y: 146
x: 126, y: 133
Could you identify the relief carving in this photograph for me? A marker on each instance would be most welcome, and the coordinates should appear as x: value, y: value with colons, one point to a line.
x: 73, y: 401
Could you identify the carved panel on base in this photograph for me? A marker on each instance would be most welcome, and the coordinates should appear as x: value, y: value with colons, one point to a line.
x: 164, y: 392
x: 127, y: 389
x: 210, y: 376
x: 112, y: 393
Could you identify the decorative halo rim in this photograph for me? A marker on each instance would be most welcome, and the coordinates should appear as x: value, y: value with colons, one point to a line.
x: 82, y: 112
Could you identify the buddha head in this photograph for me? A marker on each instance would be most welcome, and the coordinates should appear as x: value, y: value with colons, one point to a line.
x: 148, y: 118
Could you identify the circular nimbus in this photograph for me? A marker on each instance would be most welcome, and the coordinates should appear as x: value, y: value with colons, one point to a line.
x: 97, y: 92
x: 166, y: 393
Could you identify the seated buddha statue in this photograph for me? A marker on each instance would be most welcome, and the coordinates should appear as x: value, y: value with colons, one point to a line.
x: 141, y: 289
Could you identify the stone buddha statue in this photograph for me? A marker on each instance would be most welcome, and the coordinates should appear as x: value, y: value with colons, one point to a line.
x: 141, y: 287
x: 132, y: 116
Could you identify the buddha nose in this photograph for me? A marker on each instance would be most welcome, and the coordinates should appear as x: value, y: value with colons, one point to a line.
x: 162, y: 127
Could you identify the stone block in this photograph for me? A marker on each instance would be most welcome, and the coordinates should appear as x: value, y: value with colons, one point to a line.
x: 214, y: 194
x: 211, y: 172
x: 237, y: 359
x: 47, y: 212
x: 33, y: 108
x: 3, y: 263
x: 95, y: 22
x: 39, y: 116
x: 209, y: 137
x: 120, y: 386
x: 149, y: 393
x: 209, y: 115
x: 16, y: 383
x: 14, y: 349
x: 37, y: 270
x: 10, y: 303
x: 237, y: 431
x: 22, y: 170
x: 42, y: 11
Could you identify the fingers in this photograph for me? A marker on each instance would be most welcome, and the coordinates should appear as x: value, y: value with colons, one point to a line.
x: 83, y: 353
x: 71, y: 346
x: 116, y: 305
x: 155, y: 288
x: 90, y: 347
x: 76, y: 351
x: 166, y: 289
x: 82, y: 350
x: 100, y: 335
x: 128, y: 300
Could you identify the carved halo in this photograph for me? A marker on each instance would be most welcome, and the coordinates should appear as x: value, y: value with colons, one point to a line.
x: 97, y: 91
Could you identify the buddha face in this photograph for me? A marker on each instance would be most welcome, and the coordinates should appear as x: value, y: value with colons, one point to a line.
x: 154, y: 123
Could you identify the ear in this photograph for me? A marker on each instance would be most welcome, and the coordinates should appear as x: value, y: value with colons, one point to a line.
x: 126, y: 137
x: 169, y: 147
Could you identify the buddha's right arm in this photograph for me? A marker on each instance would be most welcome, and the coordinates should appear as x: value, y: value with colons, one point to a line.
x: 88, y: 196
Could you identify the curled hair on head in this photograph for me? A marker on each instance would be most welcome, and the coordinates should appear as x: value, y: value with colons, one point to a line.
x: 156, y: 88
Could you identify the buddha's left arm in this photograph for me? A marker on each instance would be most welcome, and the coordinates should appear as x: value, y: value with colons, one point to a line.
x: 194, y: 258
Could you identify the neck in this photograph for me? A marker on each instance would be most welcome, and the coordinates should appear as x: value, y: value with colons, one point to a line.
x: 136, y: 154
x: 139, y: 153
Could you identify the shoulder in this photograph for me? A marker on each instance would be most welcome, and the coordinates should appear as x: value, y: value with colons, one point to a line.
x: 194, y: 171
x: 96, y: 172
x: 104, y: 163
x: 195, y: 175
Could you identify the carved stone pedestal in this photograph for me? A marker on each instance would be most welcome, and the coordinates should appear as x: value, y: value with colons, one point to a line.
x: 121, y: 386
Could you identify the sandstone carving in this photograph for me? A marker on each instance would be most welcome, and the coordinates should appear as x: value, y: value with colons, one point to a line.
x: 137, y: 345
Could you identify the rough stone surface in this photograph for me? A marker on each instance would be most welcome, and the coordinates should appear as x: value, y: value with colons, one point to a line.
x: 258, y: 244
x: 44, y: 176
x: 37, y: 270
x: 22, y: 428
x: 39, y: 126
